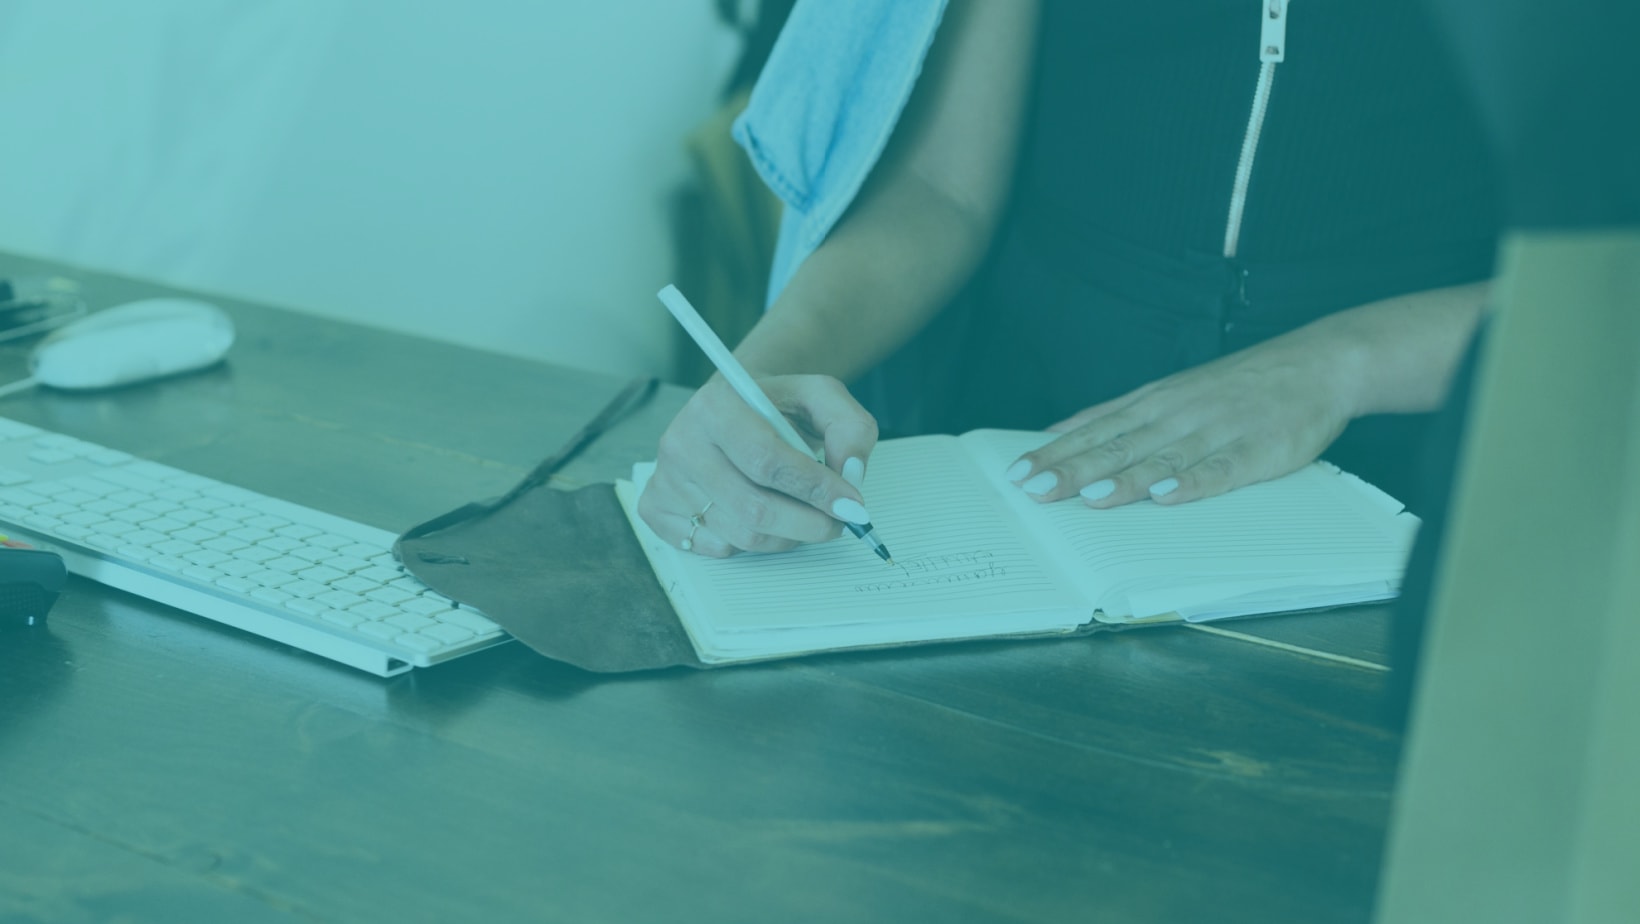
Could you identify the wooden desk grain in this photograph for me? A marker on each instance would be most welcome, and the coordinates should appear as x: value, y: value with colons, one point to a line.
x: 157, y: 766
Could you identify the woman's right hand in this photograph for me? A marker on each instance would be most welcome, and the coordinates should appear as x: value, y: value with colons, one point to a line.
x: 723, y: 466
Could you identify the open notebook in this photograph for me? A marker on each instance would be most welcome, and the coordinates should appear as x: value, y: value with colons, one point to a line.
x: 974, y: 557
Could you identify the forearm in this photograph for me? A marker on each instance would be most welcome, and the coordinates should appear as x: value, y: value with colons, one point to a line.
x: 924, y: 220
x: 1399, y: 355
x: 886, y: 270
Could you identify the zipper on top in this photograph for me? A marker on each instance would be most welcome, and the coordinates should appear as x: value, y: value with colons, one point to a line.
x: 1272, y: 50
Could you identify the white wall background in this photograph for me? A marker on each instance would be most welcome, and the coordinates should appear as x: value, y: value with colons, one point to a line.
x: 491, y: 172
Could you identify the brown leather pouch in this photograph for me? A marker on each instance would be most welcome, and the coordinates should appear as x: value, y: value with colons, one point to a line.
x: 559, y: 570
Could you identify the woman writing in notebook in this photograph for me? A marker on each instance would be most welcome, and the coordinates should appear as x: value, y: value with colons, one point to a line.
x: 1203, y: 247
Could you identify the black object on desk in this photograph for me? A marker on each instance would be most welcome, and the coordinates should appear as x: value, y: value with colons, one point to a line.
x: 30, y: 580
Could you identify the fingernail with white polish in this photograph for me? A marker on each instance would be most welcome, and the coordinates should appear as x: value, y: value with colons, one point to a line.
x: 851, y: 510
x: 854, y: 471
x: 1018, y: 470
x: 1164, y: 487
x: 1041, y: 484
x: 1099, y: 490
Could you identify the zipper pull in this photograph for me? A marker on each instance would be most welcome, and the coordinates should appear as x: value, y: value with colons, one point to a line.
x: 1272, y: 46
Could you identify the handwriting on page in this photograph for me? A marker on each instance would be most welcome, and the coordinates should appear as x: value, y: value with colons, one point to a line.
x: 934, y: 570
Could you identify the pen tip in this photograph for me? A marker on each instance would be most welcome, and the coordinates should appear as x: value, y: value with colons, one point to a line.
x: 890, y: 561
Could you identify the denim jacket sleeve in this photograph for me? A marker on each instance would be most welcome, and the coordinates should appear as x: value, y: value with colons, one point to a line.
x: 824, y: 107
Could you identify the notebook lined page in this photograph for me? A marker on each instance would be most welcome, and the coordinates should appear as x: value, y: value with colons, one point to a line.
x: 958, y: 555
x: 1316, y: 528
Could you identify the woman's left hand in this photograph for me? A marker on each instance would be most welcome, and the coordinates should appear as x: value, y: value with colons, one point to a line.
x: 1247, y: 417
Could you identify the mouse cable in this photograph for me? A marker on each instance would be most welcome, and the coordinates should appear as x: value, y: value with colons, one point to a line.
x: 21, y: 385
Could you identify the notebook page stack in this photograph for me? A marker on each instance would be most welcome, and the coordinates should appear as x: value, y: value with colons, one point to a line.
x: 976, y: 558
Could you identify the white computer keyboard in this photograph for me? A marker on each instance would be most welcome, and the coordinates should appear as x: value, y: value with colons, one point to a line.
x: 290, y: 573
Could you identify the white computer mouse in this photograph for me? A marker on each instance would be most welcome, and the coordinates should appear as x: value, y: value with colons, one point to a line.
x: 133, y: 343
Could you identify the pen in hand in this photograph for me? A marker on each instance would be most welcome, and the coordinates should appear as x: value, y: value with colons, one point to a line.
x: 746, y: 387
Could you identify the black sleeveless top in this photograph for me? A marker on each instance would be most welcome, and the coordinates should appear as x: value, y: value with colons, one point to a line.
x: 1370, y: 178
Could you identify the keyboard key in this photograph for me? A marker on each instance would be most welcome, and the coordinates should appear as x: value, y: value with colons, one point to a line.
x: 187, y: 515
x: 128, y: 478
x: 129, y: 498
x: 423, y: 605
x: 193, y: 534
x: 102, y: 506
x: 409, y: 622
x: 175, y: 547
x: 342, y: 617
x: 282, y: 544
x: 55, y: 509
x: 166, y: 525
x: 321, y: 574
x: 50, y: 456
x: 330, y: 541
x: 382, y: 630
x: 256, y: 553
x: 206, y: 503
x: 270, y: 595
x: 156, y: 506
x: 108, y: 456
x: 300, y: 588
x: 177, y: 495
x: 219, y: 524
x: 355, y: 585
x: 54, y: 441
x: 77, y: 498
x: 305, y: 606
x: 200, y: 573
x: 90, y: 485
x: 83, y: 518
x: 188, y: 481
x: 236, y: 584
x: 298, y: 531
x: 224, y: 544
x: 291, y: 565
x: 447, y: 633
x: 390, y: 596
x: 23, y: 498
x: 133, y: 515
x: 339, y: 599
x: 312, y: 554
x: 206, y: 557
x: 250, y: 534
x: 11, y: 476
x: 370, y: 609
x: 42, y: 522
x: 273, y: 578
x: 238, y: 514
x: 379, y: 574
x: 152, y: 470
x: 467, y: 619
x: 348, y: 563
x: 115, y: 528
x: 51, y: 488
x: 270, y: 523
x: 143, y: 536
x: 169, y: 562
x: 13, y: 430
x: 238, y: 567
x: 415, y: 641
x: 136, y: 552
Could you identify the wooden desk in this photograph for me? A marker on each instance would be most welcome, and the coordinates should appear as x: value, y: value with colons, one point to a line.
x: 157, y: 766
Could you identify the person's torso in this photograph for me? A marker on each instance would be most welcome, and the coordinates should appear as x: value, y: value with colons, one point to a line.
x: 1144, y: 112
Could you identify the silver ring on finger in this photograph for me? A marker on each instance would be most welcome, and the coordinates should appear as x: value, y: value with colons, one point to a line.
x: 695, y: 523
